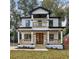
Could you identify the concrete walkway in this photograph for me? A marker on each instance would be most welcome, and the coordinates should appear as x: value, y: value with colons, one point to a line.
x: 36, y: 49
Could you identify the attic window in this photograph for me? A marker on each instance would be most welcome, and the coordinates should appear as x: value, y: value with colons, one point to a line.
x: 39, y: 15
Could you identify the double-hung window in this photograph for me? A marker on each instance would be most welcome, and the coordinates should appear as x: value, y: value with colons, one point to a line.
x: 27, y: 37
x: 51, y: 37
x: 27, y: 23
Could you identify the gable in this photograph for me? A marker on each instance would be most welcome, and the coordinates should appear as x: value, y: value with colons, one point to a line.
x: 40, y: 11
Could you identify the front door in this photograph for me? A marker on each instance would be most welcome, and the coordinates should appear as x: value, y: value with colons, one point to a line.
x: 39, y: 38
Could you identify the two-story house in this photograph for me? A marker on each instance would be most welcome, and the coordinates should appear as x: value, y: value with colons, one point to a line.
x: 40, y: 28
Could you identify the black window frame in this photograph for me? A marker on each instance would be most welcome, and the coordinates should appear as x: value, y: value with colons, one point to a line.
x: 50, y: 23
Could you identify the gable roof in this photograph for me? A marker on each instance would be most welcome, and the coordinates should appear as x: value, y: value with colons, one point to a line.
x: 39, y: 8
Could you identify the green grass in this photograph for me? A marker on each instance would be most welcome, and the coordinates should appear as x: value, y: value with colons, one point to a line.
x: 51, y: 54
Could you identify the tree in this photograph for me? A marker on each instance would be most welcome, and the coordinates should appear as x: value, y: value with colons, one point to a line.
x: 56, y: 6
x: 67, y: 23
x: 14, y: 19
x: 59, y: 8
x: 26, y: 5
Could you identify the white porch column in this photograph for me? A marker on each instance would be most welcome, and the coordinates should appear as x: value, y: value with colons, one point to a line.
x: 47, y: 16
x: 44, y: 39
x: 22, y: 35
x: 34, y: 39
x: 31, y: 37
x: 18, y: 37
x: 48, y: 37
x: 31, y: 16
x: 47, y: 20
x: 61, y: 36
x: 47, y: 23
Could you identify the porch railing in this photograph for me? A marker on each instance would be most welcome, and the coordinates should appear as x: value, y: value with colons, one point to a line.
x: 25, y: 42
x: 39, y: 24
x: 54, y: 42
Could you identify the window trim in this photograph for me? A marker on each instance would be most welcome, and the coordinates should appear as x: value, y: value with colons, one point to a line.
x: 27, y: 23
x: 28, y: 37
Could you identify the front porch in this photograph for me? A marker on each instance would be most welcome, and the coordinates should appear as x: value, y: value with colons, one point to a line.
x: 48, y: 39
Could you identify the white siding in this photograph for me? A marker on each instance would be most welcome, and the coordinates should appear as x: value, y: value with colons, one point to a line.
x: 56, y: 35
x: 55, y: 22
x: 23, y: 22
x: 40, y: 11
x: 39, y: 28
x: 31, y: 23
x: 43, y: 23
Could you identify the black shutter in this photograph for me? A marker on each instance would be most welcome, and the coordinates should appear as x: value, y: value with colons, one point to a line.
x: 50, y: 23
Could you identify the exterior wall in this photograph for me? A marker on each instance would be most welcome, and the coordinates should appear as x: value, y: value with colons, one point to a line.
x: 43, y: 24
x: 56, y: 40
x: 40, y: 28
x: 36, y: 26
x: 31, y: 24
x: 55, y: 34
x: 40, y: 11
x: 46, y: 33
x: 55, y: 22
x: 34, y: 38
x: 23, y: 22
x: 45, y: 36
x: 24, y: 41
x: 26, y: 32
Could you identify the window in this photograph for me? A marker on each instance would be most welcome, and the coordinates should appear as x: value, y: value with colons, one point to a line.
x: 27, y: 23
x: 51, y: 37
x: 50, y: 23
x: 27, y: 36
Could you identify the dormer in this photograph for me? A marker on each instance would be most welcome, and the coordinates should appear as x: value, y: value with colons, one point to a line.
x: 40, y: 12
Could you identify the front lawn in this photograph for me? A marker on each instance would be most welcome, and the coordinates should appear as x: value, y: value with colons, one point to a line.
x: 51, y: 54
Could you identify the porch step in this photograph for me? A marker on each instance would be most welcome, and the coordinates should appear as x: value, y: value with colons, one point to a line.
x: 40, y: 46
x: 15, y: 48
